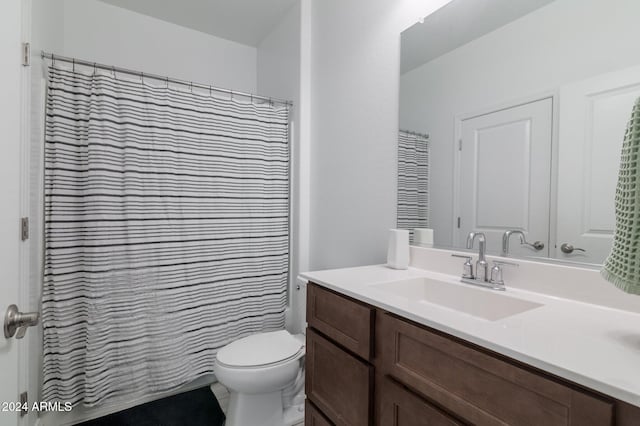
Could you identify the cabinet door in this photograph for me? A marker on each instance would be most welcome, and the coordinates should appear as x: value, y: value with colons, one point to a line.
x: 338, y: 383
x: 478, y: 386
x: 345, y: 321
x: 313, y: 417
x: 401, y: 407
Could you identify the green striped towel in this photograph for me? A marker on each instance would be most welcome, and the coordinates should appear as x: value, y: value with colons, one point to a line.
x: 622, y: 267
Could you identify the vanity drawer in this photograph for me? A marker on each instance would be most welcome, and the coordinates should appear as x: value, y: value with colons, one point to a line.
x: 481, y: 388
x: 401, y: 407
x: 348, y: 322
x: 313, y: 417
x: 338, y: 383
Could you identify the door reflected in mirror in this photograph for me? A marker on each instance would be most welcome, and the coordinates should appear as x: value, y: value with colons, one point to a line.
x: 525, y: 105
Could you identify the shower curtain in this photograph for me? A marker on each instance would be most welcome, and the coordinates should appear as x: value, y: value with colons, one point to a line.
x: 413, y: 181
x: 166, y: 233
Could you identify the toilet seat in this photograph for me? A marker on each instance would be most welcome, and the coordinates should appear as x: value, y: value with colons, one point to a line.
x: 260, y: 351
x: 293, y: 357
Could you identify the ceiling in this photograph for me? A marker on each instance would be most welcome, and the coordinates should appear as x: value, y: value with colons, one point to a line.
x: 456, y: 24
x: 243, y: 21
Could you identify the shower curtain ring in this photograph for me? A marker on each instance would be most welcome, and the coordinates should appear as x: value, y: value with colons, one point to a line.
x: 167, y: 79
x: 191, y: 86
x: 73, y: 67
x: 113, y: 69
x: 210, y: 91
x: 142, y: 78
x: 231, y: 94
x: 95, y: 68
x: 53, y: 59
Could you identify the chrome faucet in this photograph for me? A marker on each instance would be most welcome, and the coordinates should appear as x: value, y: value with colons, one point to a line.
x: 482, y: 267
x: 505, y: 240
x: 538, y: 245
x: 482, y: 278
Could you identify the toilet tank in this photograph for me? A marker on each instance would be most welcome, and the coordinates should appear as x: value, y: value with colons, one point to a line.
x: 295, y: 315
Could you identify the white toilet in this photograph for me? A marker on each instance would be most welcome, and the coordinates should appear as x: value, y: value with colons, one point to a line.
x: 260, y: 371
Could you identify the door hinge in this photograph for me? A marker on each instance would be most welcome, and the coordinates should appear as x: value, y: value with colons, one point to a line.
x: 24, y: 404
x: 459, y: 144
x: 24, y: 228
x: 458, y: 222
x: 26, y: 54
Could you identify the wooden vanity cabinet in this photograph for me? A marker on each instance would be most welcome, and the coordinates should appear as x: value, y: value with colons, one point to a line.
x: 313, y: 416
x: 365, y: 366
x: 338, y: 383
x: 347, y: 322
x: 338, y: 372
x: 398, y: 406
x: 479, y: 387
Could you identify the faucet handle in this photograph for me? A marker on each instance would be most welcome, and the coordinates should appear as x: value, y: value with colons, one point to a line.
x: 462, y: 256
x: 505, y: 263
x: 467, y: 272
x: 496, y: 271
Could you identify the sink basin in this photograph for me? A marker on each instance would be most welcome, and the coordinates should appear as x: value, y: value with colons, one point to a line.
x: 478, y: 302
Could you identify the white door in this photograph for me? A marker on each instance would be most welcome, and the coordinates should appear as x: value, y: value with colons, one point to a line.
x: 10, y: 116
x: 504, y: 176
x: 593, y: 119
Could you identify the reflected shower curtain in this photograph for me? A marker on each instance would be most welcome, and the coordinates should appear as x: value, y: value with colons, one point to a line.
x: 166, y: 233
x: 413, y: 181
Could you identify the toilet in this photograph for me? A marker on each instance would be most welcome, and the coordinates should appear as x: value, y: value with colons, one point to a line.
x: 264, y: 374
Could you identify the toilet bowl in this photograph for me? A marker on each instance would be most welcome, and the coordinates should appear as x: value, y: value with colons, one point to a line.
x: 256, y: 369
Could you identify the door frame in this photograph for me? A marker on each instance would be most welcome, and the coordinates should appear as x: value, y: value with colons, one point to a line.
x: 15, y: 287
x: 457, y: 136
x: 29, y: 300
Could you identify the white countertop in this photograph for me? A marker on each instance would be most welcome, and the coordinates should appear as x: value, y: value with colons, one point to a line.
x: 597, y: 347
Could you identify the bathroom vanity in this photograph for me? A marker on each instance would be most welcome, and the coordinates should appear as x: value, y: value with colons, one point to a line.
x: 415, y: 347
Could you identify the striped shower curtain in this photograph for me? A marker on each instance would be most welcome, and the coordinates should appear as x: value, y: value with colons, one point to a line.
x: 166, y: 233
x: 413, y: 180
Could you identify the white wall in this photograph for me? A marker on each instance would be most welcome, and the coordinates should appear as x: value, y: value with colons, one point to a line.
x: 103, y: 33
x: 279, y: 75
x: 47, y: 26
x: 279, y: 58
x: 355, y: 74
x: 565, y: 41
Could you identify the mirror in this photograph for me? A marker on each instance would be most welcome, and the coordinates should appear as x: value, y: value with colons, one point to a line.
x: 512, y: 116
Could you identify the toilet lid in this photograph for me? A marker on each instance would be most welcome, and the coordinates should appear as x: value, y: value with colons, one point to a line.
x: 260, y: 349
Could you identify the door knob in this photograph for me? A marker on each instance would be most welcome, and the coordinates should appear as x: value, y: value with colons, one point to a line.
x: 568, y: 248
x: 16, y: 321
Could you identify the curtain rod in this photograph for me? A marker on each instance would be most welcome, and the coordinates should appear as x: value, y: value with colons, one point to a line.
x: 409, y: 132
x: 143, y: 75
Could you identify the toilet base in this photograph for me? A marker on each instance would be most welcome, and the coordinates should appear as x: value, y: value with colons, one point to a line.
x: 294, y: 415
x: 255, y: 409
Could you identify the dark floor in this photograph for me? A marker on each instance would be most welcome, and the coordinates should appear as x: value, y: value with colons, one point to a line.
x: 195, y: 408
